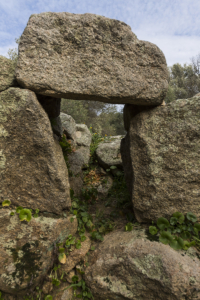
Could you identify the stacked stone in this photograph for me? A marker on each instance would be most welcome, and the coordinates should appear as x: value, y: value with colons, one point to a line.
x: 94, y: 58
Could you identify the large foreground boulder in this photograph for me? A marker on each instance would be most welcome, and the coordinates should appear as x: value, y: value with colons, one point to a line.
x: 128, y: 266
x: 161, y: 160
x: 26, y: 249
x: 90, y: 57
x: 33, y: 172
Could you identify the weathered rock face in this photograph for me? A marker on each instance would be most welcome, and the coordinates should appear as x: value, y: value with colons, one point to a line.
x: 69, y: 126
x: 83, y: 135
x: 90, y: 57
x: 127, y: 265
x: 108, y: 152
x: 161, y: 151
x: 79, y: 158
x: 56, y: 126
x: 7, y: 73
x: 26, y: 249
x: 33, y: 172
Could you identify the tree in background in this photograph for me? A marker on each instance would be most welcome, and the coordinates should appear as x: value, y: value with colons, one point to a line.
x: 13, y: 53
x: 184, y: 80
x: 104, y: 118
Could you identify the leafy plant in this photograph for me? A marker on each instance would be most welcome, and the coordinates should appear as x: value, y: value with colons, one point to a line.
x: 18, y: 209
x: 85, y: 220
x: 162, y: 223
x: 181, y: 232
x: 36, y: 213
x: 54, y: 276
x: 85, y: 291
x: 1, y: 296
x: 153, y: 230
x: 25, y: 215
x: 6, y: 203
x: 66, y: 149
x: 48, y: 297
x: 39, y: 293
x: 129, y: 227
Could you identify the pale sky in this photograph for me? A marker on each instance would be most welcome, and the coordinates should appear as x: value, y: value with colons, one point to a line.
x: 173, y: 25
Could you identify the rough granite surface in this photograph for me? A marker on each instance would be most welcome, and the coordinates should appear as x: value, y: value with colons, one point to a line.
x: 33, y: 172
x: 161, y: 153
x: 26, y: 249
x: 7, y: 73
x: 87, y: 56
x: 128, y: 266
x: 108, y: 152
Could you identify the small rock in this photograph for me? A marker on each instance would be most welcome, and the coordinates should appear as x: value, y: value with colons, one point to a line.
x: 108, y: 153
x: 69, y: 126
x: 47, y: 287
x: 83, y: 135
x: 104, y: 187
x: 76, y: 256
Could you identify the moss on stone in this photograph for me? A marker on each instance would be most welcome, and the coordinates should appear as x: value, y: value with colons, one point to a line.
x: 27, y: 265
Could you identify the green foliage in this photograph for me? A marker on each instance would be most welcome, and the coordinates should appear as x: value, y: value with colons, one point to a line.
x: 18, y: 209
x: 179, y: 216
x: 54, y: 276
x: 85, y: 291
x: 85, y: 220
x: 66, y: 149
x: 191, y: 217
x: 165, y: 237
x: 1, y: 296
x: 13, y: 53
x: 25, y: 215
x: 129, y: 227
x: 89, y: 194
x: 104, y: 117
x: 36, y: 213
x: 184, y: 80
x: 162, y: 223
x: 181, y: 232
x: 153, y: 230
x: 6, y: 203
x: 48, y: 297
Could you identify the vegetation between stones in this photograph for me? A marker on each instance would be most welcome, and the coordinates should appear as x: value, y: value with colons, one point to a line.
x: 180, y: 232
